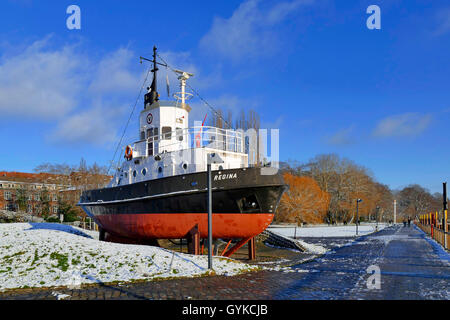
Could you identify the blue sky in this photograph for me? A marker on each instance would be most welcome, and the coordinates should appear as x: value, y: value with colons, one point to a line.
x: 309, y: 67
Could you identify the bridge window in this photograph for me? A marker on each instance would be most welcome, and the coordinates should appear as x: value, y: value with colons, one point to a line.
x: 166, y: 133
x: 179, y: 132
x: 150, y: 149
x: 152, y: 133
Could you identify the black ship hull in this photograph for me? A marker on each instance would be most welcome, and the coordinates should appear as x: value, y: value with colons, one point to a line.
x: 244, y: 203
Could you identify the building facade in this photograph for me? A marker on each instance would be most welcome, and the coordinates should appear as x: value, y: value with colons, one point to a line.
x: 40, y: 193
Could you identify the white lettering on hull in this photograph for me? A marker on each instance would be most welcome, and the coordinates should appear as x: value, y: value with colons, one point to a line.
x: 225, y: 176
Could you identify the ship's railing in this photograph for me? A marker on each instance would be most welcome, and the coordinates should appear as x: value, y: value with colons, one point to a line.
x: 194, y: 137
x: 217, y: 138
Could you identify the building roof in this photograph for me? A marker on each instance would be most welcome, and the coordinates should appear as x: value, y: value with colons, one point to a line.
x: 33, y: 177
x: 49, y: 178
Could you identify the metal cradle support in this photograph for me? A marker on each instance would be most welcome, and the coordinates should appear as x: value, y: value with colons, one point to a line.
x: 193, y: 240
x: 240, y: 244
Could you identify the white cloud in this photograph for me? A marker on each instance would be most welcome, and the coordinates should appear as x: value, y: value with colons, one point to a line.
x: 280, y: 11
x: 183, y: 61
x: 40, y: 83
x: 97, y: 126
x: 114, y: 73
x: 443, y: 20
x: 403, y: 125
x: 80, y: 94
x: 249, y: 31
x: 342, y: 137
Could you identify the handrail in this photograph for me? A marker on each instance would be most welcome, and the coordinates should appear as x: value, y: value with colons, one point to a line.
x: 200, y: 137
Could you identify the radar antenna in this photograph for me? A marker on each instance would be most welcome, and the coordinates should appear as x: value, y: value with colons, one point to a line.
x: 183, y: 95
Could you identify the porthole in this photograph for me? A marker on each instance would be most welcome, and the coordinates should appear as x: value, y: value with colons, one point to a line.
x: 134, y: 173
x: 144, y: 171
x: 185, y: 166
x: 220, y: 167
x: 159, y: 169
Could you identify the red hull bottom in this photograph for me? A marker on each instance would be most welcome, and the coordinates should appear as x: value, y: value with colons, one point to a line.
x: 176, y: 226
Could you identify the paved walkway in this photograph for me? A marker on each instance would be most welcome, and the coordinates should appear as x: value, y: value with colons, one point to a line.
x: 411, y: 267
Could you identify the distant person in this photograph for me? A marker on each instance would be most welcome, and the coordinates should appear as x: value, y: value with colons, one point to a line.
x: 409, y: 221
x: 404, y: 222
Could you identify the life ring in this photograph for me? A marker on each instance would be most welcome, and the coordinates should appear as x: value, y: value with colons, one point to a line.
x: 128, y: 153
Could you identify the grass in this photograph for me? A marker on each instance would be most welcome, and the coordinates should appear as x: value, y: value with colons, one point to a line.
x: 7, y: 270
x: 14, y: 255
x: 62, y: 259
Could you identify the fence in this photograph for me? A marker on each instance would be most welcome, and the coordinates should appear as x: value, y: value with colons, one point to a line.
x: 436, y: 228
x: 87, y: 223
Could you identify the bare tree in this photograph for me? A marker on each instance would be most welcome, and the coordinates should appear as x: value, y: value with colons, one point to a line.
x: 415, y: 200
x: 345, y: 181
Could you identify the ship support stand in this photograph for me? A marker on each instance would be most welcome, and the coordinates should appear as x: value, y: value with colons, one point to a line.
x: 193, y: 237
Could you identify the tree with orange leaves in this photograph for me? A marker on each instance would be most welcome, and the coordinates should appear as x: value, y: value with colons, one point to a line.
x: 303, y: 202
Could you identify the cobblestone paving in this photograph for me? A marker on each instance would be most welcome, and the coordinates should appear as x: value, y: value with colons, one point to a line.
x: 411, y: 265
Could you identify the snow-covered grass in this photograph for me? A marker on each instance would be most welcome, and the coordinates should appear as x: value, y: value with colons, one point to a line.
x: 312, y: 248
x: 49, y: 254
x: 326, y: 231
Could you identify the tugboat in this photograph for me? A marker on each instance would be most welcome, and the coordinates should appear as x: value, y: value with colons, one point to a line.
x: 160, y: 190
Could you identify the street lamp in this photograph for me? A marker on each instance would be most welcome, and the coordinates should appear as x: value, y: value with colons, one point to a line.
x: 376, y: 227
x: 357, y: 215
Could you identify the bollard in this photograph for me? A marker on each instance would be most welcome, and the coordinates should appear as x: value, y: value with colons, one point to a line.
x: 445, y: 230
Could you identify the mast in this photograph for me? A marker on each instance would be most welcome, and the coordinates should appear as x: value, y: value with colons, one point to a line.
x: 183, y: 95
x: 152, y: 94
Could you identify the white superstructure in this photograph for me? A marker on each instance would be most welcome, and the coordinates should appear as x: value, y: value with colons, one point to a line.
x: 168, y: 147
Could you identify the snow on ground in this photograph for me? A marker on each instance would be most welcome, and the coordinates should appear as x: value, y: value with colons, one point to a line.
x: 313, y: 248
x: 50, y: 254
x: 316, y: 234
x: 326, y: 231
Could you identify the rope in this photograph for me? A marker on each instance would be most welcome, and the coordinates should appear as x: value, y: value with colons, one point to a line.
x: 128, y: 122
x: 196, y: 93
x: 137, y: 99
